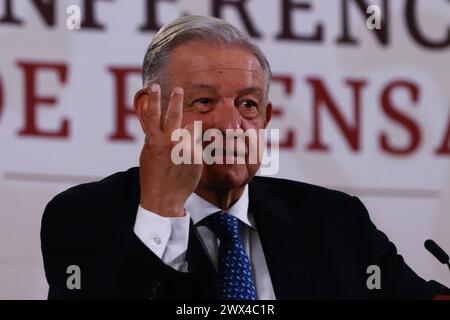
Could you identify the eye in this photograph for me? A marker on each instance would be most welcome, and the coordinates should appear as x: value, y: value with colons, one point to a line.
x: 204, y: 101
x: 203, y: 104
x: 248, y: 104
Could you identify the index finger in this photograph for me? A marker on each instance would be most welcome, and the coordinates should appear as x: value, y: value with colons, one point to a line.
x: 174, y: 113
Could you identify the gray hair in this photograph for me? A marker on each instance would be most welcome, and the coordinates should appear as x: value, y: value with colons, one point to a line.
x: 189, y: 28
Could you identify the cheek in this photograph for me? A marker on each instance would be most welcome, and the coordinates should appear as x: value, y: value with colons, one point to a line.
x: 187, y: 118
x: 256, y: 123
x: 190, y: 117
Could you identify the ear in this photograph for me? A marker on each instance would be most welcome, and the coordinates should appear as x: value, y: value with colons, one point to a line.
x: 140, y: 105
x: 268, y: 115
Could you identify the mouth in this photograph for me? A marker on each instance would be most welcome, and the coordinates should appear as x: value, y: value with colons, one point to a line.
x: 229, y: 153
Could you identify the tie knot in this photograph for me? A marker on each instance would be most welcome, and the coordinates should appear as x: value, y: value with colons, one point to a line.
x: 224, y: 226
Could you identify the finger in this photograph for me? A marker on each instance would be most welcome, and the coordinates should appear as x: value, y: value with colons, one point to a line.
x: 174, y: 113
x: 152, y: 112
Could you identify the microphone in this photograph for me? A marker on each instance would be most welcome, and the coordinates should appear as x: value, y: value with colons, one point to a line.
x: 437, y: 252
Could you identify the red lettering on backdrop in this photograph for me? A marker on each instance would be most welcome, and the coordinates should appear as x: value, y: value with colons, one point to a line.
x: 123, y: 110
x: 412, y: 14
x: 151, y: 11
x: 288, y: 8
x: 322, y: 99
x: 46, y: 9
x: 240, y: 6
x: 288, y: 142
x: 444, y: 148
x: 32, y: 100
x: 408, y: 123
x: 89, y: 19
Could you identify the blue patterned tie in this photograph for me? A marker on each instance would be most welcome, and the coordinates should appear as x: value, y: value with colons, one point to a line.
x: 235, y: 271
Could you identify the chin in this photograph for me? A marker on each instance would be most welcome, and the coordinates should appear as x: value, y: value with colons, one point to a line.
x: 227, y: 177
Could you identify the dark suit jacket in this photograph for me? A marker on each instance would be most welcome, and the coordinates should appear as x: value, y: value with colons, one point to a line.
x: 318, y: 244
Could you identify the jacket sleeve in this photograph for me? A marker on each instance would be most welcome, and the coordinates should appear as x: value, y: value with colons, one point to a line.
x: 75, y: 262
x: 398, y: 280
x: 91, y: 252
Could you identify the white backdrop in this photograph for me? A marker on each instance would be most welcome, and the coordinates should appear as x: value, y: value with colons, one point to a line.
x: 371, y: 118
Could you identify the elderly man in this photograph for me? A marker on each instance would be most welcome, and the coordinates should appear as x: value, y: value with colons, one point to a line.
x: 213, y: 231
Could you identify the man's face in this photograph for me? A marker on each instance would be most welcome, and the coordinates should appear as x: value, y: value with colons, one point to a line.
x: 224, y: 88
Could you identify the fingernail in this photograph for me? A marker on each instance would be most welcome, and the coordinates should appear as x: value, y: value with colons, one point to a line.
x: 178, y: 90
x: 154, y: 87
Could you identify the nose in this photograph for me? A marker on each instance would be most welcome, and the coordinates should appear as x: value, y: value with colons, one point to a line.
x: 227, y: 117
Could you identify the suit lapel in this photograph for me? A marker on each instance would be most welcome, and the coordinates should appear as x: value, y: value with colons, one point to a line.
x: 200, y: 267
x: 283, y: 239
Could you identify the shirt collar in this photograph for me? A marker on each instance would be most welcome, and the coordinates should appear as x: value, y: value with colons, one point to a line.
x: 199, y: 208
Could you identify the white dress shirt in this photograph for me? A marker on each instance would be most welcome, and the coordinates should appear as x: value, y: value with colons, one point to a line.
x: 168, y: 238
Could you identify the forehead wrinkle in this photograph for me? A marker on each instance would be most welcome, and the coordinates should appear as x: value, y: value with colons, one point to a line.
x: 227, y: 69
x: 246, y: 90
x: 197, y: 64
x: 251, y: 90
x: 252, y: 78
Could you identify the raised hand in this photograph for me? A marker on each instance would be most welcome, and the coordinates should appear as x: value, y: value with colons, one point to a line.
x: 165, y: 186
